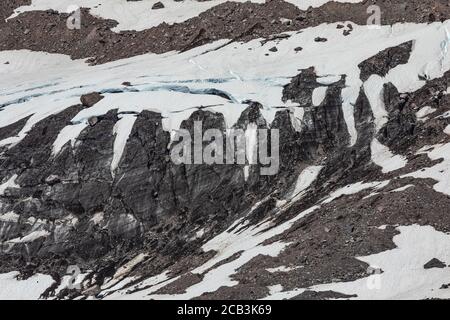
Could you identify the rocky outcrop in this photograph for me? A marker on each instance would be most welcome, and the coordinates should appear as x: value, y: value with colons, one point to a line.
x: 230, y: 20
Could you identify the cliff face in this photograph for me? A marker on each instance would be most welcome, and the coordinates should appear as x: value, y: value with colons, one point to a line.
x: 87, y: 177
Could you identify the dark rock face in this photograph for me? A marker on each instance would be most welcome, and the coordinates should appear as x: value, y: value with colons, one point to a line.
x: 403, y: 129
x: 385, y: 60
x: 434, y: 263
x: 323, y: 125
x: 158, y: 5
x: 147, y: 202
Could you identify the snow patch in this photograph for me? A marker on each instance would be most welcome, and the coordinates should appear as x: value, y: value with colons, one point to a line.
x: 424, y: 112
x: 305, y: 4
x: 32, y: 236
x: 403, y: 188
x: 9, y: 217
x: 354, y: 189
x: 318, y: 95
x: 447, y: 130
x: 304, y: 181
x: 11, y: 183
x: 383, y: 157
x: 281, y: 269
x: 122, y: 130
x: 29, y: 289
x: 68, y: 133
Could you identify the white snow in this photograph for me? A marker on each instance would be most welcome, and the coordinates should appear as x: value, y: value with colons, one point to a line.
x: 97, y: 218
x: 424, y: 112
x: 371, y: 195
x: 305, y: 4
x: 355, y: 188
x: 447, y: 130
x: 318, y: 95
x: 383, y: 157
x: 32, y: 236
x: 29, y: 289
x: 251, y: 143
x: 296, y: 115
x: 281, y: 269
x: 10, y: 183
x: 403, y: 275
x: 328, y: 79
x: 403, y: 188
x: 445, y: 114
x: 304, y: 181
x: 275, y: 289
x: 9, y: 217
x: 68, y: 133
x: 122, y: 130
x: 373, y: 89
x: 200, y: 233
x: 68, y: 280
